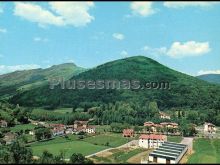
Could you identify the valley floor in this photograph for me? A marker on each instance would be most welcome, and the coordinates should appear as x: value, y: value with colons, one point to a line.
x: 205, y: 151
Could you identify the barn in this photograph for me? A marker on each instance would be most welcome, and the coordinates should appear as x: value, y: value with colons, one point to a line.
x: 168, y: 153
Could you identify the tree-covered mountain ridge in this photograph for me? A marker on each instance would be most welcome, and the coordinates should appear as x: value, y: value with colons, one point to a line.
x: 11, y: 83
x: 185, y: 91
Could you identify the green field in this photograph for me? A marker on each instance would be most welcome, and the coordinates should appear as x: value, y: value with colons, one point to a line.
x: 23, y: 127
x: 176, y: 139
x: 63, y: 110
x: 114, y: 140
x: 67, y: 146
x: 103, y: 128
x: 88, y: 145
x: 206, y: 151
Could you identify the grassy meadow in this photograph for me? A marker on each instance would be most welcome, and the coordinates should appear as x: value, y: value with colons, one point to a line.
x: 72, y: 144
x: 205, y: 151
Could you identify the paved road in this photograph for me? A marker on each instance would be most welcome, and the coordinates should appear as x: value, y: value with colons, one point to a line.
x: 189, y: 142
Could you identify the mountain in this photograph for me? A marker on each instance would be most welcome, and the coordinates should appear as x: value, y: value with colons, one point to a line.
x: 212, y: 78
x: 185, y: 91
x: 28, y: 79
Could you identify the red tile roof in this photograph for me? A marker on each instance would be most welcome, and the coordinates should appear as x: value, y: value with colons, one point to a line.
x: 149, y: 123
x: 152, y: 136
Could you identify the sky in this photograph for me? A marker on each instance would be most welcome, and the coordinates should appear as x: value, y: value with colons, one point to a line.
x: 184, y: 36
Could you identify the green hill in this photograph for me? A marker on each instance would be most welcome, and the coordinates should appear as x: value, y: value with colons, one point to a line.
x: 185, y: 91
x: 212, y: 78
x: 28, y: 79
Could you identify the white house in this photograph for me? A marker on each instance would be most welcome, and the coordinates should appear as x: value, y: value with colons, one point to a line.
x: 164, y: 115
x: 151, y: 141
x: 58, y: 130
x: 90, y: 129
x: 31, y: 132
x: 69, y: 131
x: 209, y: 128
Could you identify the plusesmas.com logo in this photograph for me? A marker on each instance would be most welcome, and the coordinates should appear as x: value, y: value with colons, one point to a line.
x: 107, y: 84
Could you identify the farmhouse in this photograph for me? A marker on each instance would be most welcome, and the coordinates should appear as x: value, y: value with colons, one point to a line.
x: 57, y: 129
x: 82, y: 126
x: 169, y: 125
x: 209, y: 128
x: 69, y: 129
x: 3, y: 123
x: 151, y: 141
x: 164, y: 115
x: 90, y: 129
x: 151, y: 126
x: 128, y: 133
x: 168, y: 153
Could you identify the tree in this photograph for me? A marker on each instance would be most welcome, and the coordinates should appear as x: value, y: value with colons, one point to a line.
x: 217, y: 120
x: 42, y: 133
x: 153, y: 109
x: 19, y: 153
x: 179, y: 114
x: 46, y: 158
x: 77, y: 158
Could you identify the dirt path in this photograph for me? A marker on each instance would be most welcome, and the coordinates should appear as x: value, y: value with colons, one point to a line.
x: 137, y: 158
x: 189, y: 142
x: 129, y: 144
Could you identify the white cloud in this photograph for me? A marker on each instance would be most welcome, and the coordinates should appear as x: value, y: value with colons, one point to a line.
x: 118, y: 36
x: 201, y: 72
x: 39, y: 39
x: 142, y: 8
x: 36, y: 13
x: 3, y: 30
x: 190, y: 48
x: 124, y: 53
x: 180, y: 50
x: 73, y: 13
x: 6, y: 69
x: 183, y: 4
x: 64, y: 13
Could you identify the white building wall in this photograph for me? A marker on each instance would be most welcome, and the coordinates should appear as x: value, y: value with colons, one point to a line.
x: 143, y: 143
x: 173, y: 162
x: 151, y: 158
x: 161, y: 160
x: 90, y: 130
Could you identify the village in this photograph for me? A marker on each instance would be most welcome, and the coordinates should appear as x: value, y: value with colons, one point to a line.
x: 154, y: 141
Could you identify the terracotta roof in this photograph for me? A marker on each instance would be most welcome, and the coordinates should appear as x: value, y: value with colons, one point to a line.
x: 149, y: 123
x: 56, y: 125
x: 57, y: 129
x: 80, y: 122
x: 128, y: 131
x: 168, y: 123
x: 152, y: 136
x: 175, y: 124
x: 90, y: 127
x: 164, y: 123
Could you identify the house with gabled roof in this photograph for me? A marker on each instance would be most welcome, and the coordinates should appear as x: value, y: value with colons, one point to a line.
x: 151, y: 140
